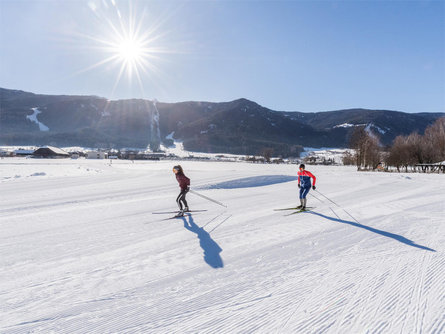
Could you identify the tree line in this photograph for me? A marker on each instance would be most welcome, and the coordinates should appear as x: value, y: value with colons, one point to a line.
x: 405, y: 151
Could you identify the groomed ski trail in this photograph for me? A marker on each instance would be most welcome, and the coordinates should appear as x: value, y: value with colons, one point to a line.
x: 83, y: 253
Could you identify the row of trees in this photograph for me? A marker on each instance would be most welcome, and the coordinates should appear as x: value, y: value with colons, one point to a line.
x: 416, y: 149
x: 405, y: 151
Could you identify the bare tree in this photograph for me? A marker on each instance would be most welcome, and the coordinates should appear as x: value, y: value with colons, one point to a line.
x: 372, y: 153
x: 434, y: 139
x: 416, y: 149
x: 357, y: 142
x: 267, y: 153
x: 402, y: 152
x: 395, y: 156
x: 367, y: 148
x: 348, y: 159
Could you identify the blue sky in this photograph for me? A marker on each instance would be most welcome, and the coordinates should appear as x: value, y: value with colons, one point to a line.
x: 284, y: 55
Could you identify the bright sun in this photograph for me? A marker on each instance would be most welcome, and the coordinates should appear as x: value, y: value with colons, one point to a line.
x: 128, y: 43
x: 130, y: 50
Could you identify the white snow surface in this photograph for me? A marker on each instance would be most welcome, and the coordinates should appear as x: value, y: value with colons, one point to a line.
x: 155, y: 132
x: 178, y: 149
x: 369, y: 131
x: 81, y: 251
x: 368, y: 127
x: 170, y: 136
x: 33, y: 118
x: 344, y: 125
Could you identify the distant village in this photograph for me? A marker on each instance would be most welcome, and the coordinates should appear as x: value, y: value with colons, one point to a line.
x: 52, y: 152
x: 335, y: 157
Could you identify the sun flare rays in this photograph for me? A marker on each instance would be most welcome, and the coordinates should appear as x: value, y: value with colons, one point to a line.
x: 131, y: 44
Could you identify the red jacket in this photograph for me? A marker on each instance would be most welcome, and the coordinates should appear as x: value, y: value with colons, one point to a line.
x: 304, y: 178
x: 183, y: 181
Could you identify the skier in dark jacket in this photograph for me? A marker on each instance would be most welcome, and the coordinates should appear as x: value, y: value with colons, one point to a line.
x: 304, y: 183
x: 184, y: 184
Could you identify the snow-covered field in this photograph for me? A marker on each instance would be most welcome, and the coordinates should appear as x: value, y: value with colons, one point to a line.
x: 81, y: 251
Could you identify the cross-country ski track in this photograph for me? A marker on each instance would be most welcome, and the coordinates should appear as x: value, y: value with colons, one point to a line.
x: 81, y: 251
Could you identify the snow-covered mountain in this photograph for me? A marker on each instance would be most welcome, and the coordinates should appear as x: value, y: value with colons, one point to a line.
x: 82, y: 252
x: 240, y: 126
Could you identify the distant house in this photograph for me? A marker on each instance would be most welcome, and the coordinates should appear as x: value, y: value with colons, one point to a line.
x: 96, y: 155
x: 139, y: 155
x: 5, y: 153
x: 23, y: 153
x: 150, y: 156
x: 50, y: 152
x: 131, y: 155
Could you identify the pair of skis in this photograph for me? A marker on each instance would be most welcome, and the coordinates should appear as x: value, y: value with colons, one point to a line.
x: 185, y: 214
x: 297, y: 210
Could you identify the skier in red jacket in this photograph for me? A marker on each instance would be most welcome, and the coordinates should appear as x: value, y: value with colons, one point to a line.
x: 304, y: 183
x: 184, y: 184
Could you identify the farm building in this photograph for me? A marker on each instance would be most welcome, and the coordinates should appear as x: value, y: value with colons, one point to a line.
x: 6, y: 153
x: 50, y: 152
x: 23, y: 152
x: 96, y: 155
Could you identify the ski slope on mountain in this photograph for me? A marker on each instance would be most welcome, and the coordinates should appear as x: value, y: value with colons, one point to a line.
x: 82, y: 252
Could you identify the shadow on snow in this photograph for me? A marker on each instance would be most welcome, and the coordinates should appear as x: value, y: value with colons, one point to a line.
x: 250, y: 182
x: 209, y: 246
x: 384, y: 233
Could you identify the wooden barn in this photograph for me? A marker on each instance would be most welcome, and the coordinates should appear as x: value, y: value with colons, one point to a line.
x: 50, y: 152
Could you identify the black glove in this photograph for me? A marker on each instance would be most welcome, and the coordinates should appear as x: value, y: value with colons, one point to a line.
x: 313, y: 187
x: 299, y: 186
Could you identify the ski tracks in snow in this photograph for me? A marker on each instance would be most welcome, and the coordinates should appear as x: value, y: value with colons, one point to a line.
x: 392, y: 297
x: 92, y: 258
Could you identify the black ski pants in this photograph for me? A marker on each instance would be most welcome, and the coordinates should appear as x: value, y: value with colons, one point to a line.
x: 181, y: 199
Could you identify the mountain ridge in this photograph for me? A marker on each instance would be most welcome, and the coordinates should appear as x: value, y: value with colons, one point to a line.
x: 240, y: 126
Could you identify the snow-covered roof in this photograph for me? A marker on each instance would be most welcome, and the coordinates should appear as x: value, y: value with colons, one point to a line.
x: 55, y: 150
x: 19, y: 151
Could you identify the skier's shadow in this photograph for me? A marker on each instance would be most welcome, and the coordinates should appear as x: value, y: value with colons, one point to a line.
x: 384, y: 233
x: 209, y: 246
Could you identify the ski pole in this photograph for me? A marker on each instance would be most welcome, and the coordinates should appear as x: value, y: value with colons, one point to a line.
x: 328, y: 199
x: 315, y: 197
x: 338, y: 206
x: 207, y: 198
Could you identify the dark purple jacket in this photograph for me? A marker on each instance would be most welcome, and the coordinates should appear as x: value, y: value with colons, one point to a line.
x: 183, y: 181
